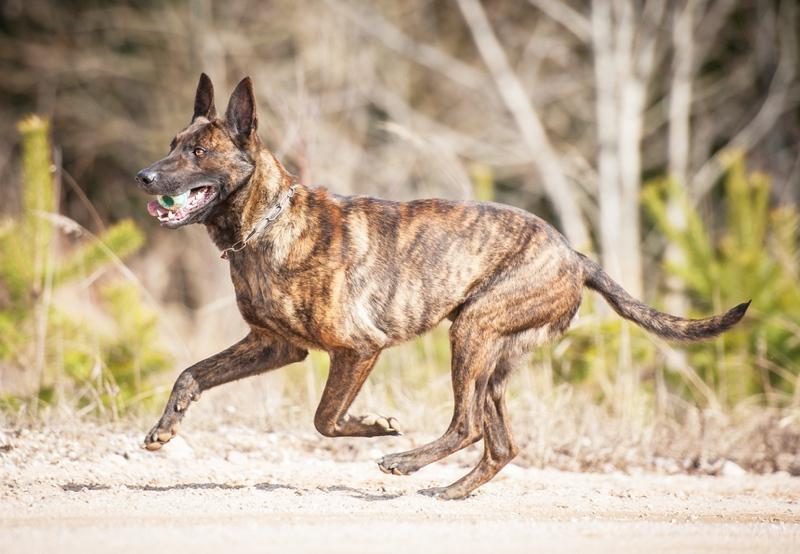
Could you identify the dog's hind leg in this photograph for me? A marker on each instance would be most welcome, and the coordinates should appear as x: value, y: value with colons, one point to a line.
x: 473, y: 360
x: 252, y: 355
x: 499, y: 445
x: 349, y: 369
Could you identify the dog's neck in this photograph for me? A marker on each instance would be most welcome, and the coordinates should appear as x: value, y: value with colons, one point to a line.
x: 245, y: 207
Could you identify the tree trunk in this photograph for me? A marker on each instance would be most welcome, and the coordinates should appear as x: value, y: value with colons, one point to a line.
x: 608, y: 171
x: 680, y: 103
x: 621, y: 71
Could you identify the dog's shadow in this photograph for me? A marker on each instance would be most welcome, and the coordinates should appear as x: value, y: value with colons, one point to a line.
x: 368, y: 496
x: 361, y: 494
x: 211, y: 486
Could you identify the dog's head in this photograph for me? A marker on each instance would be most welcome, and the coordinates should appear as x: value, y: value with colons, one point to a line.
x: 207, y: 161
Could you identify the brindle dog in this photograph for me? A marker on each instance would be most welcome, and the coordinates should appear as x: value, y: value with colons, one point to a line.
x: 354, y: 275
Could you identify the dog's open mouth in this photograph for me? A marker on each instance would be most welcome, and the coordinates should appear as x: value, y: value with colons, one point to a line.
x: 173, y: 210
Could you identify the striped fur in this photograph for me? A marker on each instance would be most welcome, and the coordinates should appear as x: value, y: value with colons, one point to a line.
x: 353, y: 275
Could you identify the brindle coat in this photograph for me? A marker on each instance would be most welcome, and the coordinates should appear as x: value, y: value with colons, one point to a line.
x: 354, y: 275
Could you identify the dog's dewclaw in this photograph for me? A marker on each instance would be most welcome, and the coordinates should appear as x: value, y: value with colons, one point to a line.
x: 173, y: 202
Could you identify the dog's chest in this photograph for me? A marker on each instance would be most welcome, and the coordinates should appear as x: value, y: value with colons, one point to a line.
x: 313, y: 308
x: 278, y: 304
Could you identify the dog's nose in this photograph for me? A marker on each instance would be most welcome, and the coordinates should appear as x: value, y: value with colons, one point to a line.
x: 146, y: 176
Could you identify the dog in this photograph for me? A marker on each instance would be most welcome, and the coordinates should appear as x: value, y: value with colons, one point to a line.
x: 353, y: 275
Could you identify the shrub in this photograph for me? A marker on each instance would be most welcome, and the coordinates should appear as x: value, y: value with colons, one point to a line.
x: 103, y: 359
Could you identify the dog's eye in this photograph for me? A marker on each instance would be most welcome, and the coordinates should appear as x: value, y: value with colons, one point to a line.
x: 199, y: 152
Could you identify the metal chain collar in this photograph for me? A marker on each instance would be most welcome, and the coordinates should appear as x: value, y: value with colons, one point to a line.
x: 259, y: 227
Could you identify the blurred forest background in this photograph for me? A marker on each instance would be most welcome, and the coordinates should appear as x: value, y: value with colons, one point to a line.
x: 661, y: 137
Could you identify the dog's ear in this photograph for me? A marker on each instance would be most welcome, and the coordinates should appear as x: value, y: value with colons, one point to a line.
x: 241, y: 113
x: 204, y: 99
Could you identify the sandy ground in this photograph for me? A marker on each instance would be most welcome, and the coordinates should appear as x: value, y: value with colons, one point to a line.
x: 93, y: 489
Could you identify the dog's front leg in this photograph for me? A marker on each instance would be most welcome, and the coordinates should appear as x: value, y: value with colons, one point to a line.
x: 252, y: 355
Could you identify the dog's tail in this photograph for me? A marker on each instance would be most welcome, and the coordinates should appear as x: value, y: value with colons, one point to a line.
x: 664, y: 325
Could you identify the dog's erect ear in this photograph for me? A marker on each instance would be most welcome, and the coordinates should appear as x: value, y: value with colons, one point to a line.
x: 204, y: 99
x: 241, y: 113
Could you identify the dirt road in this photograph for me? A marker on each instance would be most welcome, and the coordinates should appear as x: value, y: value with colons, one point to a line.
x: 93, y: 489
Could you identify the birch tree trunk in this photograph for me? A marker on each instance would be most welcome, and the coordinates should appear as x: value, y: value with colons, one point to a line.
x: 623, y: 61
x: 630, y: 114
x: 680, y: 96
x: 679, y: 138
x: 609, y: 192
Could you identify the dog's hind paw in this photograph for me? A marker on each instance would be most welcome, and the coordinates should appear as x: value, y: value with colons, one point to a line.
x: 394, y: 464
x: 388, y: 468
x: 453, y: 492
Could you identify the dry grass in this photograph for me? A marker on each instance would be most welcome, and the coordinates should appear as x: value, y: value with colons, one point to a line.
x: 559, y: 426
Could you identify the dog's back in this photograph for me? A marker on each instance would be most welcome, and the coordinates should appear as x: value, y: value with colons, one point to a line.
x: 379, y: 272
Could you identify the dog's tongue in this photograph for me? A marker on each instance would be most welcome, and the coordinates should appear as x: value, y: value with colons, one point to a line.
x: 152, y: 208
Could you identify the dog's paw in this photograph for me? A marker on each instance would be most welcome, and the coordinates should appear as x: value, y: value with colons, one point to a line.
x: 383, y: 425
x: 160, y: 435
x: 185, y: 391
x: 396, y: 465
x: 453, y: 492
